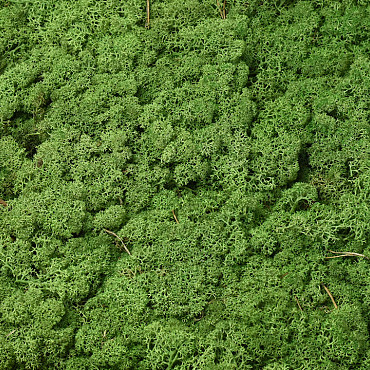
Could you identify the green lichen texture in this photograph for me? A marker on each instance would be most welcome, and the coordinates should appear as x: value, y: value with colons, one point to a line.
x: 175, y: 179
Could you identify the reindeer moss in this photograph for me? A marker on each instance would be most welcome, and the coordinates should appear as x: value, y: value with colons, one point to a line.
x: 230, y: 156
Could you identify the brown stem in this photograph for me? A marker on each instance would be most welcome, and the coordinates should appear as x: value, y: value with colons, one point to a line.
x: 123, y: 244
x: 347, y: 254
x: 330, y: 295
x: 219, y: 8
x: 174, y: 215
x: 298, y: 303
x: 147, y: 25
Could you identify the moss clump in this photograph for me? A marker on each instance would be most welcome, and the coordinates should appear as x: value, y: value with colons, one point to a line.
x: 229, y: 155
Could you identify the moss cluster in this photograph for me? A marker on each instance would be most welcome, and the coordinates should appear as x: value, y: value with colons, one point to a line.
x: 230, y: 156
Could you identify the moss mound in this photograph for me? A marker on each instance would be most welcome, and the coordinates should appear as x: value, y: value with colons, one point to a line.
x: 230, y: 155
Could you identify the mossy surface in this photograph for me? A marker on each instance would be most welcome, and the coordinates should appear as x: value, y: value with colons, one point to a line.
x: 230, y: 156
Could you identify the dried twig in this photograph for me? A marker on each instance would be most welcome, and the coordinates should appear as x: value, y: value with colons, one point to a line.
x: 330, y: 295
x: 347, y: 254
x: 3, y: 203
x: 147, y: 23
x: 102, y: 341
x: 123, y: 244
x: 222, y: 11
x: 13, y: 331
x: 342, y: 255
x: 174, y: 216
x: 298, y: 303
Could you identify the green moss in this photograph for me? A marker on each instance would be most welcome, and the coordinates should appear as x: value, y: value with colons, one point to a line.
x: 229, y: 155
